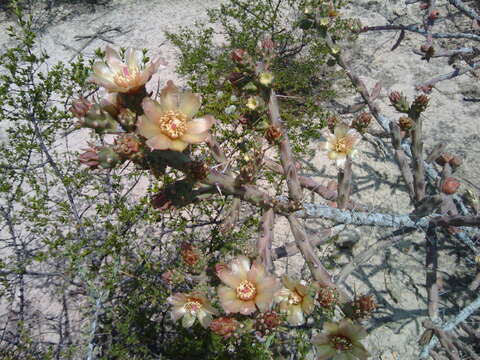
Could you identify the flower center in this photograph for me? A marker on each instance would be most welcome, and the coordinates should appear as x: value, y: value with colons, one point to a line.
x: 192, y: 305
x: 295, y: 298
x: 340, y: 145
x: 173, y: 124
x: 246, y: 290
x: 127, y: 77
x: 341, y: 343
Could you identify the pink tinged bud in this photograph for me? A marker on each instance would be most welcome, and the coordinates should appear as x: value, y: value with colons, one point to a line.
x: 434, y: 14
x: 394, y: 97
x: 238, y: 55
x: 80, y: 107
x: 268, y: 44
x: 450, y: 186
x: 89, y: 158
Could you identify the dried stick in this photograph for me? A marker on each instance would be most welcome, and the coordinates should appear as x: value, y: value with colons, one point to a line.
x: 344, y: 183
x: 456, y: 220
x: 472, y: 14
x: 475, y: 283
x: 232, y: 216
x: 450, y: 325
x: 444, y: 339
x: 436, y: 152
x: 416, y: 29
x: 431, y: 243
x: 265, y: 239
x: 457, y: 72
x: 467, y: 348
x: 320, y: 238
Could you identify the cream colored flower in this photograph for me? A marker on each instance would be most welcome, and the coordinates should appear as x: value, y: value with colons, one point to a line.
x: 190, y: 307
x: 117, y: 76
x: 294, y: 300
x: 169, y: 124
x: 341, y: 143
x: 340, y: 341
x: 248, y: 285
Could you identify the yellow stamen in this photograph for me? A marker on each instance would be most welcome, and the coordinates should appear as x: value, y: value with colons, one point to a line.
x: 246, y: 290
x: 128, y: 77
x: 341, y: 343
x: 192, y: 305
x: 173, y: 124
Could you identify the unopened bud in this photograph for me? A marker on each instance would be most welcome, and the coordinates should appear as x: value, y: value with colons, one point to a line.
x: 239, y: 55
x: 89, y: 158
x: 108, y: 158
x: 420, y: 103
x: 362, y: 122
x: 80, y: 107
x: 405, y: 123
x: 399, y: 101
x: 450, y: 186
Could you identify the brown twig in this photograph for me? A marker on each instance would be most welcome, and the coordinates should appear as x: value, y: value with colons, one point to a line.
x: 444, y: 339
x: 417, y: 154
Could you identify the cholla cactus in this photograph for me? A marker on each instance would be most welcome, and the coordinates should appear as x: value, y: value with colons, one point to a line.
x: 248, y: 286
x: 295, y: 300
x: 341, y: 341
x: 170, y: 124
x: 190, y: 307
x: 129, y: 77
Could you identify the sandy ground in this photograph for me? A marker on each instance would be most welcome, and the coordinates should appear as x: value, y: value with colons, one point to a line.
x: 396, y: 276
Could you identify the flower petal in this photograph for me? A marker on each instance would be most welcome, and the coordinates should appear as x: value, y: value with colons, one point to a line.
x: 226, y: 293
x: 320, y: 339
x: 341, y: 130
x: 308, y: 305
x: 359, y: 351
x: 247, y: 307
x: 147, y: 128
x: 230, y: 278
x: 331, y: 327
x: 178, y: 312
x: 200, y: 125
x: 190, y: 103
x: 295, y: 315
x: 152, y: 109
x: 264, y: 300
x: 204, y: 318
x: 134, y: 58
x: 102, y: 71
x: 232, y: 306
x: 194, y: 138
x: 178, y: 145
x: 332, y: 155
x: 325, y: 352
x: 169, y: 97
x: 188, y: 320
x: 257, y: 273
x: 177, y: 299
x: 240, y: 266
x: 159, y: 142
x: 340, y: 160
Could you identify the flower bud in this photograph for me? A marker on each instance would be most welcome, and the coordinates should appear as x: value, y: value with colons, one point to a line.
x: 127, y: 118
x: 398, y: 101
x: 272, y: 134
x: 89, y: 158
x: 420, y: 103
x: 99, y: 120
x: 450, y: 186
x: 362, y: 122
x: 127, y: 146
x: 327, y: 296
x: 190, y: 254
x: 108, y: 158
x: 405, y: 123
x: 364, y: 306
x: 224, y: 326
x: 239, y: 55
x: 332, y: 122
x: 80, y: 107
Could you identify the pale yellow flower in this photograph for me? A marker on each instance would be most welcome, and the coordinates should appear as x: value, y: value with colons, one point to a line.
x: 341, y: 341
x: 248, y: 286
x: 169, y: 124
x: 190, y: 307
x: 115, y: 75
x: 341, y: 143
x: 294, y: 300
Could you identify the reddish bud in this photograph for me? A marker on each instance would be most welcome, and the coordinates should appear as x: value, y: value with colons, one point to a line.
x: 90, y: 158
x: 80, y: 107
x: 238, y: 55
x: 434, y: 14
x: 272, y: 134
x: 190, y: 254
x: 364, y: 306
x: 224, y: 326
x: 450, y: 186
